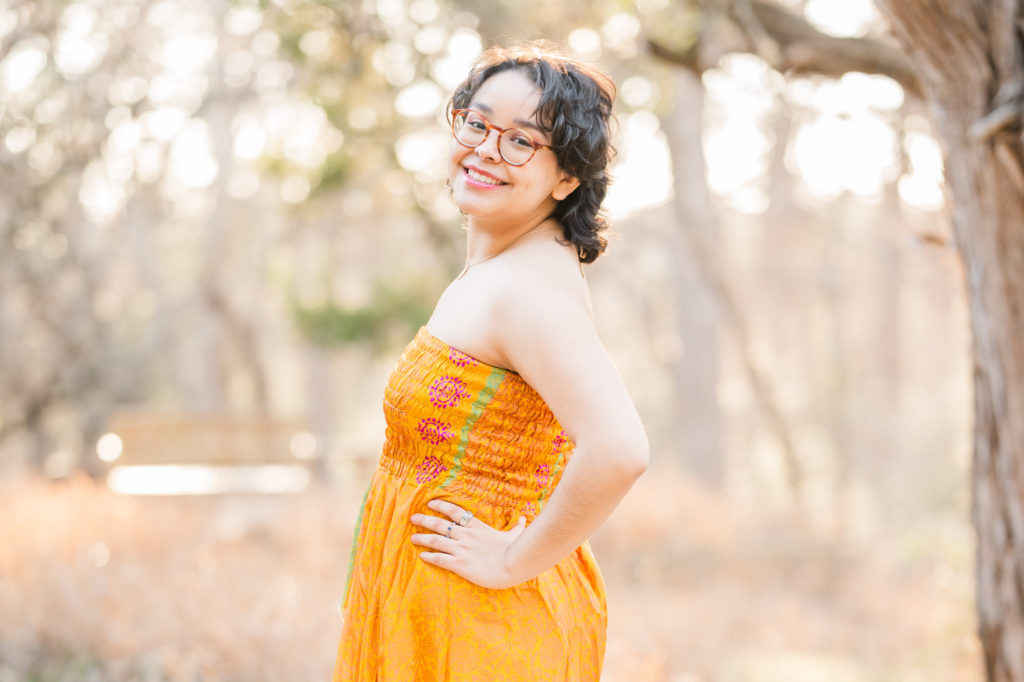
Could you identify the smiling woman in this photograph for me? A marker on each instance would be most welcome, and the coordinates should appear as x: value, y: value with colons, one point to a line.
x: 510, y: 436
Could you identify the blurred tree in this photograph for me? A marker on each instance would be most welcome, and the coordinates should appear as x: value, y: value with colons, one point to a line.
x: 967, y: 59
x: 371, y: 73
x: 693, y: 236
x: 55, y: 322
x: 145, y: 153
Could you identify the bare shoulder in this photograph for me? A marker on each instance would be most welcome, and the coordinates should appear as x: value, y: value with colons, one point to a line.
x: 540, y: 295
x: 543, y: 329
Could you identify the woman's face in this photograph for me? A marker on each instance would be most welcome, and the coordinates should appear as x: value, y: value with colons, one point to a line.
x: 484, y: 186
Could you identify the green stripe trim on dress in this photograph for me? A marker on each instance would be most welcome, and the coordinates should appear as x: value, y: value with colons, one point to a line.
x: 482, y: 401
x: 355, y: 541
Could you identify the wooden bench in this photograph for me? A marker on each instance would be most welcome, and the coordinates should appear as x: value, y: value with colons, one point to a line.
x: 157, y: 453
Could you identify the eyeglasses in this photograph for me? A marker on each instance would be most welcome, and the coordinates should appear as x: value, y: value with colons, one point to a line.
x: 516, y: 147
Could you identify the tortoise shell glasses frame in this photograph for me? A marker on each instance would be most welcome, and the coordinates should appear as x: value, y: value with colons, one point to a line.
x: 471, y: 129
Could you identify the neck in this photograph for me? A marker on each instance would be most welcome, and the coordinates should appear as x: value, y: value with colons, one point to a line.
x: 482, y: 244
x: 489, y: 234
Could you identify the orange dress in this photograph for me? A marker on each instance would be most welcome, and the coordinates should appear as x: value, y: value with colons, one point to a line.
x: 481, y: 437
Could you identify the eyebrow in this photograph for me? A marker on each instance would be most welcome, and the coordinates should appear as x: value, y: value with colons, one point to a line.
x: 519, y: 122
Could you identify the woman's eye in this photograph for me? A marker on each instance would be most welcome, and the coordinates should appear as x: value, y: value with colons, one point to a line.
x: 476, y: 124
x: 522, y: 141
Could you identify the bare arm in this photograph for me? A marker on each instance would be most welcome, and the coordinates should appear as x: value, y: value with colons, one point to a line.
x: 546, y: 334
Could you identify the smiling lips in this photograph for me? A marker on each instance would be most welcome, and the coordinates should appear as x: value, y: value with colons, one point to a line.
x: 479, y: 178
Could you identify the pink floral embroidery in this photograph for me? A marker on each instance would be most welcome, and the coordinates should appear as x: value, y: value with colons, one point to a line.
x: 529, y: 509
x: 561, y: 443
x: 435, y: 431
x: 543, y: 475
x: 447, y: 392
x: 460, y: 358
x: 429, y: 469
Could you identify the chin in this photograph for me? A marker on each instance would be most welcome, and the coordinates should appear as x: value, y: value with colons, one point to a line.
x: 469, y: 210
x: 466, y: 204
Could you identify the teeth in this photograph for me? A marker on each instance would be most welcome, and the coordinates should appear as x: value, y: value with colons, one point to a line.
x: 482, y: 178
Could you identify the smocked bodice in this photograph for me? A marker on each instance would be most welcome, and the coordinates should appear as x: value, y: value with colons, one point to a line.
x: 456, y: 423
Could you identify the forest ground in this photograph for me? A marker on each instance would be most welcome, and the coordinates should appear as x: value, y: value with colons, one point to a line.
x: 99, y: 587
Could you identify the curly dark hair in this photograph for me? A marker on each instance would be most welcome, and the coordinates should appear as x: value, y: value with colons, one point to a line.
x: 576, y: 111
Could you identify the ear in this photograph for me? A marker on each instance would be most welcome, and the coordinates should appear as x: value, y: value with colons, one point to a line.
x: 567, y: 184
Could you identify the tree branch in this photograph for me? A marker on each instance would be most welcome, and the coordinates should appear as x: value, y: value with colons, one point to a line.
x: 802, y: 48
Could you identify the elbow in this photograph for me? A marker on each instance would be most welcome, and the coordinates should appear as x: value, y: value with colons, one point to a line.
x: 632, y: 455
x: 638, y: 456
x: 622, y: 455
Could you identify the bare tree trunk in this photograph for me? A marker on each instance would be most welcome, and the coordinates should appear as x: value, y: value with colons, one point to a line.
x: 969, y: 57
x: 697, y: 234
x: 699, y: 422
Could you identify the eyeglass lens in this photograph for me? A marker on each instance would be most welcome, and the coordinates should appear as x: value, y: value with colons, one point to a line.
x: 514, y: 145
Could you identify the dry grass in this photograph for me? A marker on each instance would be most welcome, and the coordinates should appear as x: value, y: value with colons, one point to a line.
x: 95, y: 586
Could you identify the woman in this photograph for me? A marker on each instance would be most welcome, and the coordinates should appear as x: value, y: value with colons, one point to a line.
x: 471, y: 559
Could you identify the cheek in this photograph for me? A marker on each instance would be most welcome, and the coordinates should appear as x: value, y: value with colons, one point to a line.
x: 456, y: 152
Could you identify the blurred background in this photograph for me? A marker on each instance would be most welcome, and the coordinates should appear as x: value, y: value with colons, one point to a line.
x: 221, y: 221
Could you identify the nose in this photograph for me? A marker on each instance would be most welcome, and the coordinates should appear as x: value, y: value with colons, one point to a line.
x: 489, y: 147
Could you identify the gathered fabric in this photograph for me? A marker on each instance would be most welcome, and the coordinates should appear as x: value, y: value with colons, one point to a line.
x: 479, y: 436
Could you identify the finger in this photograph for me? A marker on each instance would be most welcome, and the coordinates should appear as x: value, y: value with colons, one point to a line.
x: 446, y: 561
x: 433, y: 541
x: 434, y: 523
x: 452, y: 511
